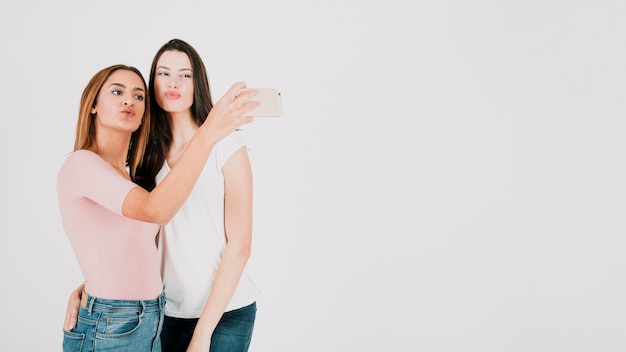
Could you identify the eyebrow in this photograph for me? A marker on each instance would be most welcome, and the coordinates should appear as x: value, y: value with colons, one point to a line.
x: 167, y: 68
x: 123, y: 86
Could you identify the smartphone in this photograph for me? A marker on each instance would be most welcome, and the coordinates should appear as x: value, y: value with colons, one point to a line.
x: 271, y: 103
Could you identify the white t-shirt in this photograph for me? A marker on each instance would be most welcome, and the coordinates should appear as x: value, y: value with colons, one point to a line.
x: 192, y: 243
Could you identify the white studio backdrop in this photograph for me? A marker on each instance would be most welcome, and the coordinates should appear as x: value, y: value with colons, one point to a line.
x: 448, y: 176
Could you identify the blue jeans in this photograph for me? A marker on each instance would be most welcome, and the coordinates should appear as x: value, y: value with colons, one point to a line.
x: 117, y: 325
x: 233, y: 333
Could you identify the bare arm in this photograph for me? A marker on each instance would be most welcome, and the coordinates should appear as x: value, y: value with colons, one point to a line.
x: 238, y: 226
x: 160, y: 205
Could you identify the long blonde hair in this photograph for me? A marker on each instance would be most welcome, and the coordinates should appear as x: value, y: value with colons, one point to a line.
x: 86, y: 128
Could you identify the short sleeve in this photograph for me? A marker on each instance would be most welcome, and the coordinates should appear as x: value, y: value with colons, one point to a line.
x: 85, y: 174
x: 228, y: 146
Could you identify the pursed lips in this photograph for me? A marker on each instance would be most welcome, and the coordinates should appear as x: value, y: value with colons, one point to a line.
x: 171, y: 95
x: 128, y: 112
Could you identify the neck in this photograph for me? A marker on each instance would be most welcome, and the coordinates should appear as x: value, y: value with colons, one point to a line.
x: 183, y: 127
x: 113, y: 148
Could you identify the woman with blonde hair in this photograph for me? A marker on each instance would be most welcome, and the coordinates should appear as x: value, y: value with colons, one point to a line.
x: 111, y: 222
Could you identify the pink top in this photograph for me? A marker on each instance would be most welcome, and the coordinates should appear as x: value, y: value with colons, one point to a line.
x: 117, y: 255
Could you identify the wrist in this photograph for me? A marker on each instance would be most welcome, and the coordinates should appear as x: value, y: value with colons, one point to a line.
x: 207, y: 138
x: 203, y: 330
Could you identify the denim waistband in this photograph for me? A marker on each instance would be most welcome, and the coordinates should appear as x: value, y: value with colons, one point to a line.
x: 95, y: 304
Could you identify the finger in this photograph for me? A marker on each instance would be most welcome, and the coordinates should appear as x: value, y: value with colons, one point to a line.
x: 247, y: 119
x: 70, y: 322
x: 246, y: 95
x: 234, y: 89
x: 248, y: 106
x: 245, y: 101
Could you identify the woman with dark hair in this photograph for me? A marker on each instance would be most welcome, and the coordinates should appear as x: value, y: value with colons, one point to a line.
x: 211, y: 298
x: 111, y: 222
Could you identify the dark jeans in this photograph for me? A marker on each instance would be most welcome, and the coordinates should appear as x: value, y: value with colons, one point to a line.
x: 233, y: 333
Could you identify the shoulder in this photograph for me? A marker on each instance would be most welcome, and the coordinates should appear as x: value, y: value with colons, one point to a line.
x: 226, y: 147
x: 231, y: 143
x: 81, y: 161
x: 234, y: 138
x: 82, y: 155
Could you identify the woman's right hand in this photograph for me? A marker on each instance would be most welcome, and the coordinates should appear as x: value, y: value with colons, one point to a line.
x: 229, y: 113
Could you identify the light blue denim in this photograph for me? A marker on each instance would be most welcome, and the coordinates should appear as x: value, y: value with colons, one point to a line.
x: 117, y: 325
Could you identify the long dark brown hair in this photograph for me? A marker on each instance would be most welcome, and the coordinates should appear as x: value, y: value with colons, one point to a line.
x: 86, y: 127
x: 160, y: 127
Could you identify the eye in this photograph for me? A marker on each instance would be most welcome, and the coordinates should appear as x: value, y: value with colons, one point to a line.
x: 186, y: 75
x: 116, y: 92
x: 139, y: 97
x: 163, y: 74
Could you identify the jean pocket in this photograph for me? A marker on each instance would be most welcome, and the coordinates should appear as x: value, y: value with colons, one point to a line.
x: 120, y: 325
x: 72, y: 341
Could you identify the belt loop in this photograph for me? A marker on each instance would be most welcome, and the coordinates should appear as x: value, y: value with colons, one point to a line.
x: 143, y: 307
x: 90, y: 300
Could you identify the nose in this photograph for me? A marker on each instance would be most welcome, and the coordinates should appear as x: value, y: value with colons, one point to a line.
x: 127, y: 102
x: 172, y: 83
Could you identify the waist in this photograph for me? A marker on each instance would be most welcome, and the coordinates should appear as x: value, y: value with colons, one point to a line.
x: 116, y: 305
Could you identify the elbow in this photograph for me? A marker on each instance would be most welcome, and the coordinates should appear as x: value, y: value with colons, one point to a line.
x: 244, y: 252
x: 241, y: 250
x: 162, y: 220
x: 139, y: 205
x: 156, y: 216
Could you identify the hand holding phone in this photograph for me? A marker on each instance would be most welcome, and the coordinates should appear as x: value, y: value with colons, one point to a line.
x: 271, y: 103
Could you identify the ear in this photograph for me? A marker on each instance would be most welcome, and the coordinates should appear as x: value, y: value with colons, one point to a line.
x: 93, y: 110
